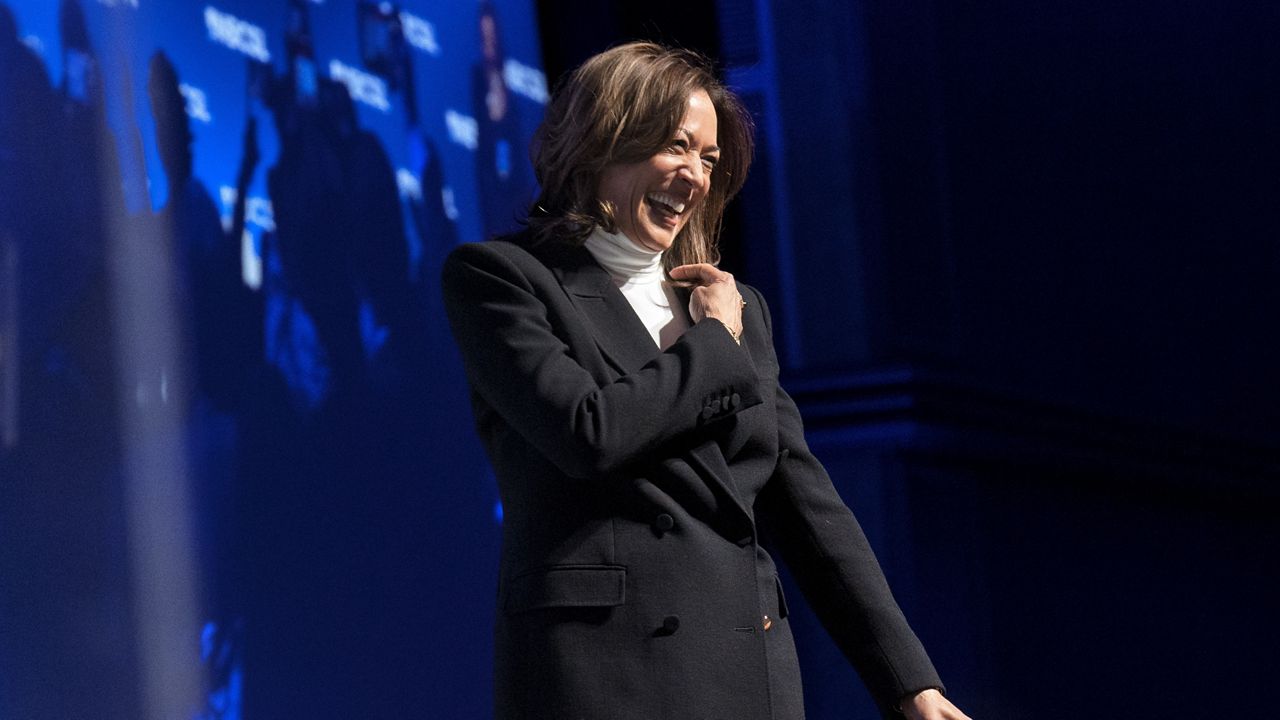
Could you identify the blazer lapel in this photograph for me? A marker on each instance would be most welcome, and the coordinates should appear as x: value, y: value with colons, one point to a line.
x: 621, y: 337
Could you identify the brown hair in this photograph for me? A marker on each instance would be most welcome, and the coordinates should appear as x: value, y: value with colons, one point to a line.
x: 622, y: 106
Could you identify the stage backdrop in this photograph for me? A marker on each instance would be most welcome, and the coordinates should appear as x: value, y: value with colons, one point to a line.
x: 237, y: 471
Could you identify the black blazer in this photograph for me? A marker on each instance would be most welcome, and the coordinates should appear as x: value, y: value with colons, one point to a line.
x: 636, y: 486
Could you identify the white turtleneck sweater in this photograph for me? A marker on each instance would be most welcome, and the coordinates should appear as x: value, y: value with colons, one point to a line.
x: 637, y: 272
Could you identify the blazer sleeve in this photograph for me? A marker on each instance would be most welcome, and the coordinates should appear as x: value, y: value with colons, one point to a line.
x: 521, y: 368
x: 823, y: 544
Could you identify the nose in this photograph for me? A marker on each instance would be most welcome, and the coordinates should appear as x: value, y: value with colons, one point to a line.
x: 694, y: 171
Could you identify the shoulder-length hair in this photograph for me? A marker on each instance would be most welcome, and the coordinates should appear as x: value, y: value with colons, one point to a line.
x: 622, y: 106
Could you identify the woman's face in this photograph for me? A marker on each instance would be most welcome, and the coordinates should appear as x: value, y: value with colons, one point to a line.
x: 653, y: 199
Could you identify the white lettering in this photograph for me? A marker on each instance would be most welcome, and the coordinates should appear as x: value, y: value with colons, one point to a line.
x: 419, y: 33
x: 250, y: 261
x: 526, y: 81
x: 365, y: 88
x: 229, y: 30
x: 450, y: 207
x: 197, y: 103
x: 409, y: 185
x: 463, y: 129
x: 119, y: 3
x: 257, y: 210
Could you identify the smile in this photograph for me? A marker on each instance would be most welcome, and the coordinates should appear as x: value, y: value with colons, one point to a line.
x: 666, y: 202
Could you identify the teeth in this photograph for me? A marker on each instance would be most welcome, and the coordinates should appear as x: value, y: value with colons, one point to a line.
x: 675, y: 206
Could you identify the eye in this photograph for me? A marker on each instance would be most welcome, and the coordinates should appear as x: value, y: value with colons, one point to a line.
x: 679, y: 145
x: 710, y: 161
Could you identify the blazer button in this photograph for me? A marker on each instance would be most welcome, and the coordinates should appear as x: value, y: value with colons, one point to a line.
x: 670, y: 624
x: 744, y: 541
x: 735, y: 400
x: 707, y: 412
x: 714, y: 405
x: 663, y: 523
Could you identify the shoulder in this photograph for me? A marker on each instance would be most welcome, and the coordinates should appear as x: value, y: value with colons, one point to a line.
x: 522, y: 251
x: 511, y: 259
x: 510, y: 251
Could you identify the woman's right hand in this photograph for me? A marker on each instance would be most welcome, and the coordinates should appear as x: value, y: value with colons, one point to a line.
x: 930, y: 705
x: 715, y: 295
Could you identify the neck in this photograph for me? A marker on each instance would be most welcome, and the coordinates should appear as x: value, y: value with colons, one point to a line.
x: 624, y: 259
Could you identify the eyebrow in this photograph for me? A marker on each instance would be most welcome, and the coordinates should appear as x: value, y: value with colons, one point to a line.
x: 689, y: 136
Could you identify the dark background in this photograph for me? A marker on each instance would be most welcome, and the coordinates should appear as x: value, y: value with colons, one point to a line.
x: 1022, y: 260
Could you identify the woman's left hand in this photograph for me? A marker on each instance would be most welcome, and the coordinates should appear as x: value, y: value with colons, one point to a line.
x: 931, y: 705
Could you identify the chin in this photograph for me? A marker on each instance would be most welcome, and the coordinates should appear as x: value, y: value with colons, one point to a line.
x: 661, y: 239
x: 659, y: 244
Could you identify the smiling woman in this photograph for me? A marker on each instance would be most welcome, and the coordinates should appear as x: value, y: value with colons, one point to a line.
x: 642, y: 445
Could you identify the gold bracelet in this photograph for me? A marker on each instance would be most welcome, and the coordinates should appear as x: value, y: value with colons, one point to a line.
x: 737, y: 336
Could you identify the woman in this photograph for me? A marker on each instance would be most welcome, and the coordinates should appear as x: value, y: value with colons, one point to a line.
x: 641, y: 451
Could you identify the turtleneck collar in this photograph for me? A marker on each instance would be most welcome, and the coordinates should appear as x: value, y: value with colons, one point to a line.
x: 625, y: 261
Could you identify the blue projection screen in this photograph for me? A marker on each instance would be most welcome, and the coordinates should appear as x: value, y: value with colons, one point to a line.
x: 238, y: 477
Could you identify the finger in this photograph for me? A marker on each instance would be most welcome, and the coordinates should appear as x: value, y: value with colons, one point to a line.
x: 705, y: 273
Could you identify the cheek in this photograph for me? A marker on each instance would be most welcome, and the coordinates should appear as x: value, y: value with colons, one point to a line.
x: 611, y: 190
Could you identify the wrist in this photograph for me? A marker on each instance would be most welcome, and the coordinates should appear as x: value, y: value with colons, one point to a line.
x: 736, y: 335
x: 907, y: 705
